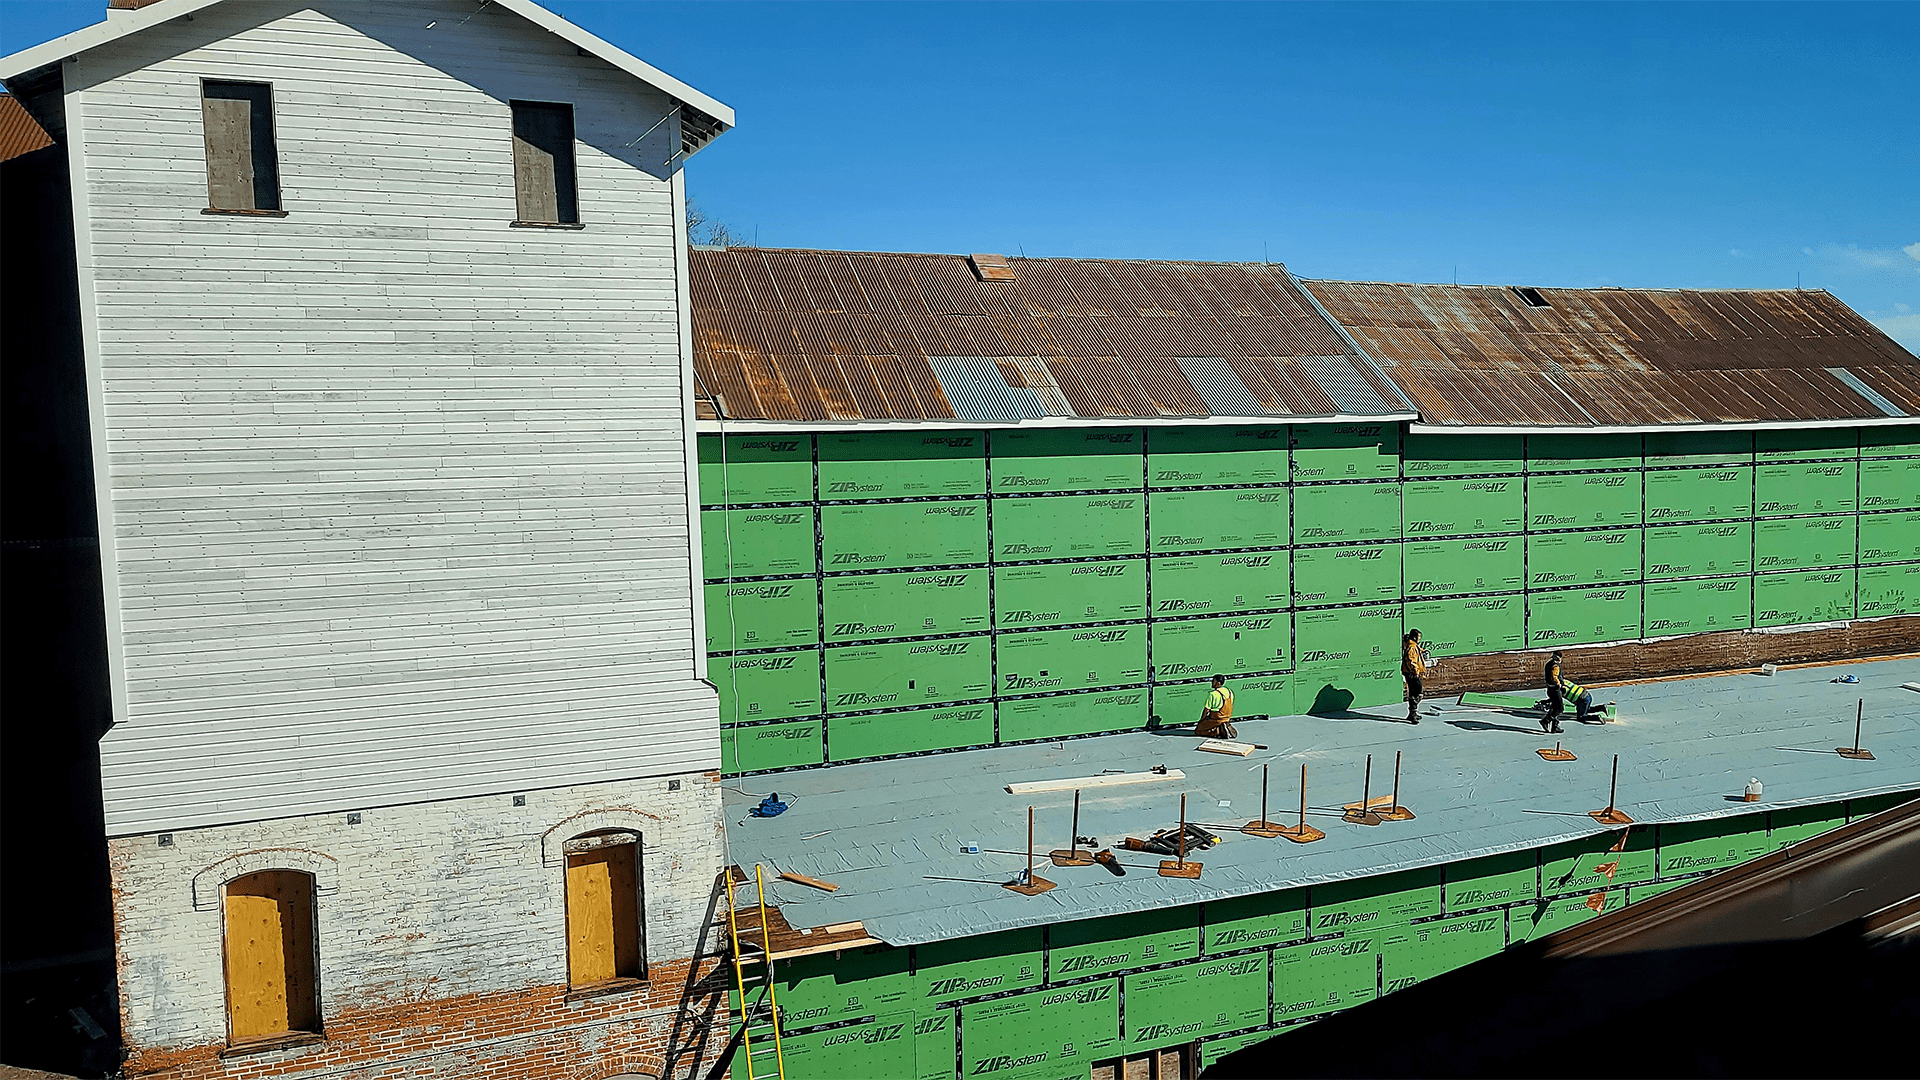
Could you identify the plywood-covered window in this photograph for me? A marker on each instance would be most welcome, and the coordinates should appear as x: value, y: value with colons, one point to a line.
x: 604, y: 910
x: 243, y: 163
x: 543, y: 181
x: 270, y: 950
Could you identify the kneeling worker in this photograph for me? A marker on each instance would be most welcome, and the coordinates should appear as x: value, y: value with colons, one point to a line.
x: 1561, y: 690
x: 1216, y: 712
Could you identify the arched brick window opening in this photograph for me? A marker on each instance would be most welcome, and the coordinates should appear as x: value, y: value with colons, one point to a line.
x: 271, y: 956
x: 605, y: 939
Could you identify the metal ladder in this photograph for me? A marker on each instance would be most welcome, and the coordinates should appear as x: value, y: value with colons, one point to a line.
x: 771, y: 1024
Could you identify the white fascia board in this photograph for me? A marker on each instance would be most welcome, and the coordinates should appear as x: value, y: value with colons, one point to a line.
x: 745, y: 427
x: 1655, y: 429
x: 123, y: 24
x: 119, y: 25
x: 620, y: 58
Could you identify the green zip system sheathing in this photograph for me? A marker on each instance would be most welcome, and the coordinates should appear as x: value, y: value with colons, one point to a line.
x: 1703, y: 494
x: 1346, y: 574
x: 756, y: 469
x: 1212, y: 456
x: 1069, y: 527
x: 1081, y: 658
x: 1242, y: 581
x: 1803, y: 596
x: 888, y: 536
x: 1697, y: 606
x: 1821, y: 487
x: 882, y: 734
x: 1888, y: 590
x: 1461, y: 455
x: 907, y: 673
x: 1890, y: 537
x: 1804, y: 543
x: 1347, y: 452
x: 1678, y: 551
x: 1583, y: 500
x: 1583, y: 616
x: 1100, y: 459
x: 1055, y: 594
x: 890, y: 465
x: 1041, y: 583
x: 750, y: 615
x: 1583, y: 558
x: 904, y: 603
x: 1472, y: 564
x: 1221, y: 643
x: 1461, y: 507
x: 1470, y: 624
x: 1219, y: 518
x: 1890, y: 484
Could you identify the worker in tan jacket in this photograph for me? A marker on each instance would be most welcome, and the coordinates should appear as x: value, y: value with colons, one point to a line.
x: 1413, y: 668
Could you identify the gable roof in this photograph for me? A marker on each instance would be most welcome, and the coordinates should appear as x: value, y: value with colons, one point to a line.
x: 704, y: 118
x: 844, y: 338
x: 1586, y: 359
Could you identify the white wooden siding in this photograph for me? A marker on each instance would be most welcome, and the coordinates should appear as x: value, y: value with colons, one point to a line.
x: 397, y: 493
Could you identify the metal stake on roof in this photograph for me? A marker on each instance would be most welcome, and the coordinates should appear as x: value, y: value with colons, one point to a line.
x: 1854, y: 751
x: 1611, y: 815
x: 1302, y: 833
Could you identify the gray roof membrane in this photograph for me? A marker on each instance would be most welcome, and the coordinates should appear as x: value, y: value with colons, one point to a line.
x: 888, y: 832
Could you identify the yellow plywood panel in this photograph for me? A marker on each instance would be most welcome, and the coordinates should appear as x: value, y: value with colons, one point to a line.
x: 269, y: 946
x: 603, y: 917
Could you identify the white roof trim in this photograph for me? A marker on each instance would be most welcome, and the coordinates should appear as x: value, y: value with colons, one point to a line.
x: 745, y: 427
x: 126, y: 23
x: 1656, y: 429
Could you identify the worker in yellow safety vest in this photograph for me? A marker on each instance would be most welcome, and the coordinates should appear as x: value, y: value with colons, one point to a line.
x: 1217, y: 711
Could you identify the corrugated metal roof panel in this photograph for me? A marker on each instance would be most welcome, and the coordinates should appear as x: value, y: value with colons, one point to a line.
x: 20, y: 133
x: 1092, y: 338
x: 1220, y: 386
x: 977, y: 390
x: 1480, y: 356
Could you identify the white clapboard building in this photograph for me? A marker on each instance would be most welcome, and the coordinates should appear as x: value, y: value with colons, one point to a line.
x: 383, y: 326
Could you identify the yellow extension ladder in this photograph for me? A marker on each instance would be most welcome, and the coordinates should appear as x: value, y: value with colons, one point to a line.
x: 771, y: 1024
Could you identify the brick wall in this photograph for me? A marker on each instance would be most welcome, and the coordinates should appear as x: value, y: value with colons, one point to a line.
x: 1730, y: 650
x: 442, y: 939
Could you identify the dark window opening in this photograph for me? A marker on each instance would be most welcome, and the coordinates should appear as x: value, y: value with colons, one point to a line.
x: 243, y: 164
x: 543, y: 180
x: 1531, y: 296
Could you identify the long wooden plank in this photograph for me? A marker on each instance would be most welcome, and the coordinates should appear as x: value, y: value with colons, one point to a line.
x: 1226, y: 746
x: 803, y: 879
x: 1031, y: 787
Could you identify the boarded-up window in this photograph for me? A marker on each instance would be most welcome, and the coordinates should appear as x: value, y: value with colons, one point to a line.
x: 271, y: 988
x: 543, y: 163
x: 603, y: 910
x: 243, y: 167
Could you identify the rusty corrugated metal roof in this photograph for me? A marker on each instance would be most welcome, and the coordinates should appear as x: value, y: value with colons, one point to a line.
x: 1476, y: 355
x: 848, y: 336
x: 19, y: 132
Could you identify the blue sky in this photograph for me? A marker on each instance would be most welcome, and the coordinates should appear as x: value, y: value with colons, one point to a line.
x: 1693, y: 145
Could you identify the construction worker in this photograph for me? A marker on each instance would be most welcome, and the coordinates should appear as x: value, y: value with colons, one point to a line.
x: 1217, y: 711
x: 1556, y: 695
x: 1413, y: 668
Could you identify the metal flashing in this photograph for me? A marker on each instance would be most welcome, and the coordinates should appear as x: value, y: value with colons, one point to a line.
x: 1873, y: 396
